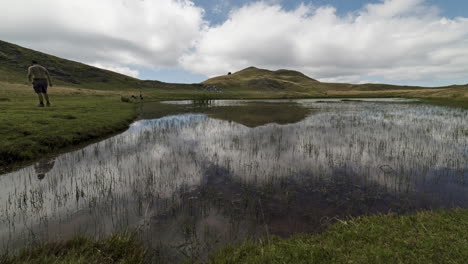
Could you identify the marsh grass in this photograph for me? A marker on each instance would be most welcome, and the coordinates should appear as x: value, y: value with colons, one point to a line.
x: 424, y: 237
x: 117, y: 248
x: 458, y: 102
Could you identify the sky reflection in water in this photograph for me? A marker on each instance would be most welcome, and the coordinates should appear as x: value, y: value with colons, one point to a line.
x: 193, y: 182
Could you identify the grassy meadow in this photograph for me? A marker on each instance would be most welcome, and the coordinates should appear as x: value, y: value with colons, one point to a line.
x: 28, y: 132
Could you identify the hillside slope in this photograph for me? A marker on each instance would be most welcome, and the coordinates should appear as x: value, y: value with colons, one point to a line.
x: 15, y: 60
x: 248, y: 83
x: 269, y: 81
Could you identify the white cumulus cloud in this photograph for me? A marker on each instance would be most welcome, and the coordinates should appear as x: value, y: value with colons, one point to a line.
x: 111, y: 32
x: 116, y: 68
x: 393, y: 40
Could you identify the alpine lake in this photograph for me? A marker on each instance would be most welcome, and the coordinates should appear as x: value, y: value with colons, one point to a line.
x: 199, y: 175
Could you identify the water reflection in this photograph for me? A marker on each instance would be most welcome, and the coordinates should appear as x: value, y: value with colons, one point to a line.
x: 43, y: 167
x: 193, y: 182
x: 260, y: 113
x: 248, y: 113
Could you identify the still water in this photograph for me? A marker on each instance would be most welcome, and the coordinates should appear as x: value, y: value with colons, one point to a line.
x: 219, y: 172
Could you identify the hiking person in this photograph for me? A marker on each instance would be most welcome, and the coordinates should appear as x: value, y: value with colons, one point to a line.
x: 39, y: 76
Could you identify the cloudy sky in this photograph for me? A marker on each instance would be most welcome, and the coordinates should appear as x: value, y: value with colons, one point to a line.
x: 414, y: 42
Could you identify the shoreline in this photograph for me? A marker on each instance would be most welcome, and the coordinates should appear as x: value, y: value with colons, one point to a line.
x: 31, y: 134
x: 422, y: 237
x: 124, y: 124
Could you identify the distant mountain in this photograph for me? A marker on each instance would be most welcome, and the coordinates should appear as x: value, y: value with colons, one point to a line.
x: 253, y: 78
x: 289, y: 84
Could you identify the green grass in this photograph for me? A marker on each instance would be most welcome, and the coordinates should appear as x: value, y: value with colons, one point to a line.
x: 119, y: 248
x: 28, y: 132
x: 425, y: 237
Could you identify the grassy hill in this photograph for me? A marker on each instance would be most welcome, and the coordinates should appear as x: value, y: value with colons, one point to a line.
x: 287, y: 84
x: 15, y: 60
x: 248, y: 83
x: 279, y: 81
